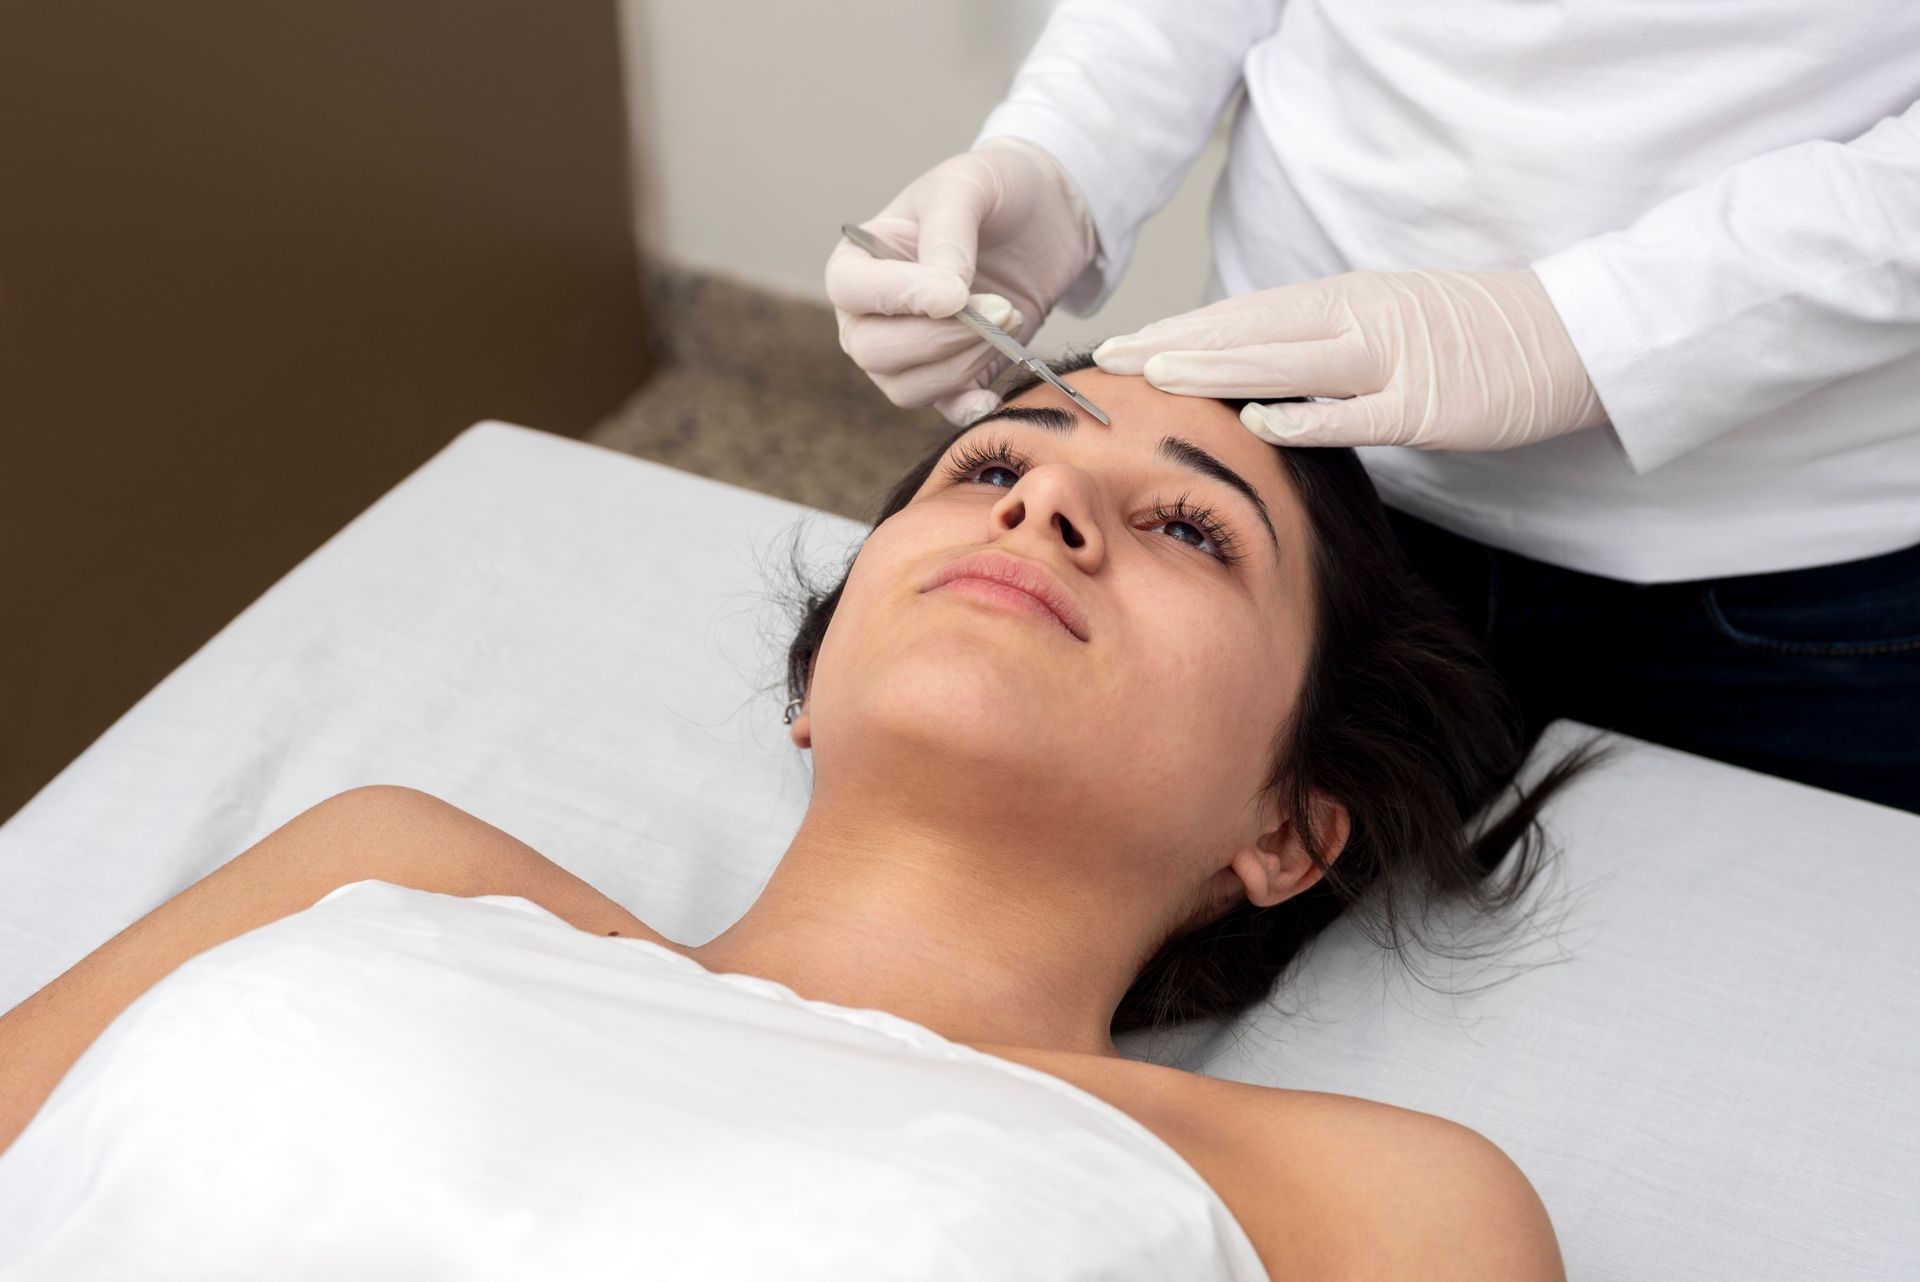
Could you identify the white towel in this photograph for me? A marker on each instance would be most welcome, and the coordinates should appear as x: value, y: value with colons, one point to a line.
x: 400, y: 1084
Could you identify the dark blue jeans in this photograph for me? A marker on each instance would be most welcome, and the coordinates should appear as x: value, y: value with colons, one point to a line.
x: 1810, y: 674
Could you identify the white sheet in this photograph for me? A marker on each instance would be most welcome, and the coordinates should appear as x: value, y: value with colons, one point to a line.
x: 1719, y: 1081
x: 478, y: 1092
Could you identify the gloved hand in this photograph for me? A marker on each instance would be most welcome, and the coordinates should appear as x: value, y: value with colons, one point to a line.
x: 1002, y: 224
x: 1440, y: 360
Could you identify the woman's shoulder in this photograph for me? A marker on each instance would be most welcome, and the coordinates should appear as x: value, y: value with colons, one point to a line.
x: 1366, y: 1189
x: 412, y: 838
x: 1333, y: 1186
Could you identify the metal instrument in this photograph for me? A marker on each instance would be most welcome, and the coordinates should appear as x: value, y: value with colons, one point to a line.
x: 971, y: 316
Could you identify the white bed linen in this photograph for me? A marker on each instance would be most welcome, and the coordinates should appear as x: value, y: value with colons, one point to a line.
x: 1719, y: 1076
x: 401, y: 1085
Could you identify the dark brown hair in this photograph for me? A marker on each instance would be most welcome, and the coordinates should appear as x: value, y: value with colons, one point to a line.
x: 1401, y: 718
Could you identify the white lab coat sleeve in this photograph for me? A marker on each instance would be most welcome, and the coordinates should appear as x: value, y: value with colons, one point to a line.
x: 1124, y: 93
x: 1729, y: 300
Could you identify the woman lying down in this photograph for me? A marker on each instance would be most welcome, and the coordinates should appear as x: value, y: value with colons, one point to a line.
x: 1106, y: 724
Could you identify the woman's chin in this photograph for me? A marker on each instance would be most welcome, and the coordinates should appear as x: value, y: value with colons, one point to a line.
x: 981, y: 719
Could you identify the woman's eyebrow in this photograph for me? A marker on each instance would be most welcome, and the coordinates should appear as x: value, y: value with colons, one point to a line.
x: 1173, y: 448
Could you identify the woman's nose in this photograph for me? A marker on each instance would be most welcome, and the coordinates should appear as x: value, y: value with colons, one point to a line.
x: 1056, y: 502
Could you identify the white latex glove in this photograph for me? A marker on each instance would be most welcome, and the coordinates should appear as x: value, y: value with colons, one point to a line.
x: 1001, y: 225
x: 1442, y: 360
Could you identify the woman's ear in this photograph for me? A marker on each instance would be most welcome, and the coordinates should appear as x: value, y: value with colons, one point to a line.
x: 798, y: 731
x: 1276, y: 866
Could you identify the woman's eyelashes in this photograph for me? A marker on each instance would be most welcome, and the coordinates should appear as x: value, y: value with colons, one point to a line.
x: 974, y: 462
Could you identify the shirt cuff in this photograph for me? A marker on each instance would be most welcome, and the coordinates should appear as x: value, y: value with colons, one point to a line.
x: 1625, y: 370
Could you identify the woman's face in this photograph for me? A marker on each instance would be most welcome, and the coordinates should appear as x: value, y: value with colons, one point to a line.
x: 1155, y: 727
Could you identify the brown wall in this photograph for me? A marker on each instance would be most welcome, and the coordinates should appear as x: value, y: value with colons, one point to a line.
x: 258, y: 261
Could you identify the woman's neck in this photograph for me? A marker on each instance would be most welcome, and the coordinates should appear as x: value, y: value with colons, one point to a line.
x: 985, y: 937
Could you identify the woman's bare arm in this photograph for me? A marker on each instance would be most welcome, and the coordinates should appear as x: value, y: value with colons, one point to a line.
x: 387, y: 833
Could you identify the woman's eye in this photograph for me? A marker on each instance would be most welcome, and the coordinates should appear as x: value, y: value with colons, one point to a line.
x: 1199, y: 528
x: 1198, y: 537
x: 1001, y: 468
x: 1181, y: 530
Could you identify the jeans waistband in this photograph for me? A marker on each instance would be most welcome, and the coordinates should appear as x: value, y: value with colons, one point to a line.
x: 1837, y: 576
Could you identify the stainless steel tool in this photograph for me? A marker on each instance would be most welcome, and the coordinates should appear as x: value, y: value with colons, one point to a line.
x: 971, y: 316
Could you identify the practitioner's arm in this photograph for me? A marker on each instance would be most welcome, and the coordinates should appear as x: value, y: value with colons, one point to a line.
x: 1124, y: 94
x: 384, y: 833
x: 1727, y: 301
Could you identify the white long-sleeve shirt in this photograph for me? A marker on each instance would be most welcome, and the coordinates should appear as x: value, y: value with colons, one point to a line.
x: 1723, y: 203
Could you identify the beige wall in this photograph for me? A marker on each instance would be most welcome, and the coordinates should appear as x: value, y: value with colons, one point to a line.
x: 762, y: 126
x: 260, y: 259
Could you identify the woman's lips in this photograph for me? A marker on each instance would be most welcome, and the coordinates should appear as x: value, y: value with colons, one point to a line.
x: 987, y: 590
x: 1017, y: 582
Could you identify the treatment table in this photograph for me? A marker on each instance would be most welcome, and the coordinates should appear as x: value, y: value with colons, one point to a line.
x: 1703, y: 1047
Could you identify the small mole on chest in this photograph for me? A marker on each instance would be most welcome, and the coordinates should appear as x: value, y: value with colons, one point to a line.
x: 613, y: 932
